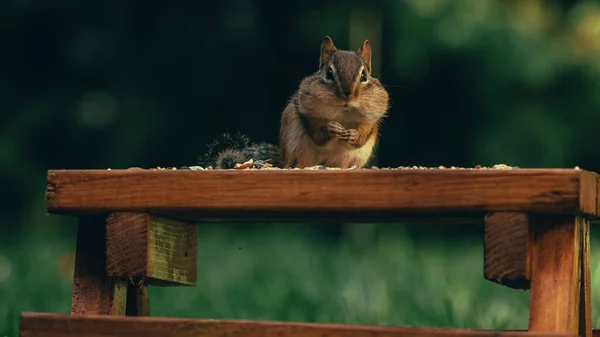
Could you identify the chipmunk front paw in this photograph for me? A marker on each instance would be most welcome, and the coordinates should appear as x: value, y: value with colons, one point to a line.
x: 350, y: 136
x: 335, y: 128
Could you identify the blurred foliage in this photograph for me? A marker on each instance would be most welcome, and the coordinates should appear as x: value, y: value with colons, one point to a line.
x: 101, y: 84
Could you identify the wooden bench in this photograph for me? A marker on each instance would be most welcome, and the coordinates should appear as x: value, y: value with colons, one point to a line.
x: 137, y: 227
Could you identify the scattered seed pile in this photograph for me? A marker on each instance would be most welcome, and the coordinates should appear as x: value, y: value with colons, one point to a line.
x: 265, y: 165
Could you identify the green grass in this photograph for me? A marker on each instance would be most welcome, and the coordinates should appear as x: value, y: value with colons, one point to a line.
x: 370, y: 274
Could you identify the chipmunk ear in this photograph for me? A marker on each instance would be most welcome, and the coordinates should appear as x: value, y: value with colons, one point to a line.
x: 327, y: 49
x: 365, y: 54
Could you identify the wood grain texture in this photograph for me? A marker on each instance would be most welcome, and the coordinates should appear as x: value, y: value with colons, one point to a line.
x: 555, y: 273
x: 159, y: 250
x: 287, y: 193
x: 585, y: 292
x: 94, y: 292
x: 506, y: 249
x: 55, y: 325
x: 598, y: 194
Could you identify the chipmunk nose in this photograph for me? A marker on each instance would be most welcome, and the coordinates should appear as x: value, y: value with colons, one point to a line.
x: 347, y: 93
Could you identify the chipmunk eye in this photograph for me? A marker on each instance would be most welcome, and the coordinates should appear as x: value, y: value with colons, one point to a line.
x: 363, y: 76
x: 329, y: 74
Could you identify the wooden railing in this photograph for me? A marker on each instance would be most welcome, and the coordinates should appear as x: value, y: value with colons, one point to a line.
x: 138, y: 227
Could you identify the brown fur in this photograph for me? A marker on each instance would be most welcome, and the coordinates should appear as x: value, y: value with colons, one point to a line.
x: 334, y: 123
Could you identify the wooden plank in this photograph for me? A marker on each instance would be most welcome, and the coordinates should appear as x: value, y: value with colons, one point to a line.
x: 93, y: 291
x: 585, y: 292
x: 506, y: 249
x: 288, y: 193
x: 159, y: 250
x: 55, y: 325
x: 555, y: 273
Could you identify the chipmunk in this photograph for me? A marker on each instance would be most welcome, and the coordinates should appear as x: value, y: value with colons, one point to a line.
x: 332, y: 119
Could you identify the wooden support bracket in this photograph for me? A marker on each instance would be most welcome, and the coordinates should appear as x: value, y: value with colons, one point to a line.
x: 506, y: 249
x: 157, y: 250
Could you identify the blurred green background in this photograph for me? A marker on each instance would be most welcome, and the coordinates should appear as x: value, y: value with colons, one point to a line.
x: 115, y: 84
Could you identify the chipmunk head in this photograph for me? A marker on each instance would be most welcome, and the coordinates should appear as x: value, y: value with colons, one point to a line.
x: 344, y: 85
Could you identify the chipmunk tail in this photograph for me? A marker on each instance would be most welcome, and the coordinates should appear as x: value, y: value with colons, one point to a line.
x: 228, y: 158
x: 229, y: 149
x: 225, y: 151
x: 264, y: 151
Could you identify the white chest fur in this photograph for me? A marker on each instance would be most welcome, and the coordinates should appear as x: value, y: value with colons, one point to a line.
x: 336, y: 153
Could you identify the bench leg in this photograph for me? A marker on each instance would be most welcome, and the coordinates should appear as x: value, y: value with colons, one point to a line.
x: 585, y: 291
x: 556, y: 247
x: 137, y: 300
x: 93, y: 291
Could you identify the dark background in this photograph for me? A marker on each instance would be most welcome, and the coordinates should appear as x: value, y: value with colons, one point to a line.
x: 115, y: 84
